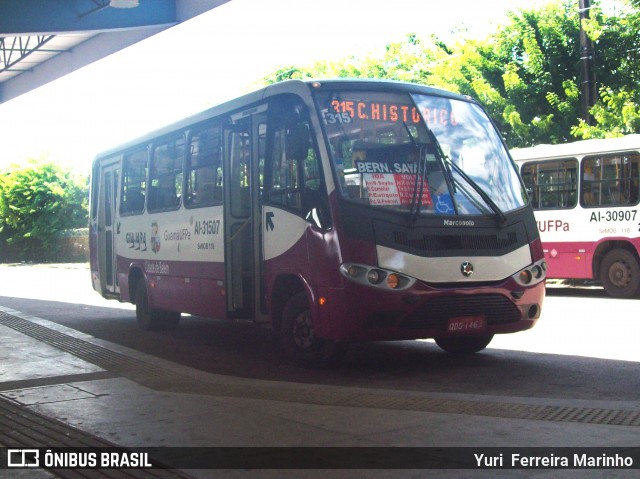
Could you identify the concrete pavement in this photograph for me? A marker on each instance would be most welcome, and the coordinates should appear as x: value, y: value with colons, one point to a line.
x: 130, y: 399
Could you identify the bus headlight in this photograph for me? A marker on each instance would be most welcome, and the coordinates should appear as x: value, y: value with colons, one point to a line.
x: 536, y: 271
x: 525, y: 276
x: 354, y: 271
x: 532, y: 275
x: 376, y: 277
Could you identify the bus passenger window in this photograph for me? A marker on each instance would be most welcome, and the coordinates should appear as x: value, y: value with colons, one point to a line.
x: 610, y: 180
x: 552, y: 184
x: 134, y: 182
x: 165, y: 180
x: 285, y: 174
x: 204, y: 169
x: 293, y: 175
x: 240, y: 164
x: 295, y: 171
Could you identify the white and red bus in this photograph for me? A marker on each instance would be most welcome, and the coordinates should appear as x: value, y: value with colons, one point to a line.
x: 336, y: 211
x: 585, y: 198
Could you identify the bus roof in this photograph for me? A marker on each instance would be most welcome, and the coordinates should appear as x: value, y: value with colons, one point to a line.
x: 577, y: 148
x: 300, y: 87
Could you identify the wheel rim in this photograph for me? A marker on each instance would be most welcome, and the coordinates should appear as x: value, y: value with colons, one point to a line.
x: 620, y: 274
x: 303, y: 335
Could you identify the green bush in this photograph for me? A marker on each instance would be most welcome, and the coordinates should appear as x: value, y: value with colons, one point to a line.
x: 38, y: 202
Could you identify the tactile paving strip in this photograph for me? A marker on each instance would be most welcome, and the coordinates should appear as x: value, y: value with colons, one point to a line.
x: 22, y: 428
x: 157, y: 378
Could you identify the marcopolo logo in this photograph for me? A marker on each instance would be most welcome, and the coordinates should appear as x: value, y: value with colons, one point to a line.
x: 23, y: 458
x: 466, y: 269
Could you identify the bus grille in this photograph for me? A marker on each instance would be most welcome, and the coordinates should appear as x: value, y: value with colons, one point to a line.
x: 456, y: 242
x: 436, y: 241
x: 433, y: 314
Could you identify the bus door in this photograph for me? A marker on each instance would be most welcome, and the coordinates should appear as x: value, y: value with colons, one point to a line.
x: 243, y: 160
x: 107, y: 229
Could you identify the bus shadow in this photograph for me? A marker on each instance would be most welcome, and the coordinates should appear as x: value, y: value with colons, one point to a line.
x: 571, y: 291
x: 243, y: 349
x: 588, y: 290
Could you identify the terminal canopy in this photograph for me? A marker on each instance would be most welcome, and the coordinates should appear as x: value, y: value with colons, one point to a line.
x: 41, y: 40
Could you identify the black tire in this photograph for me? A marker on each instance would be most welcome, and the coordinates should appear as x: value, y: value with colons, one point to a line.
x: 153, y: 319
x: 464, y: 344
x: 620, y: 274
x: 299, y: 340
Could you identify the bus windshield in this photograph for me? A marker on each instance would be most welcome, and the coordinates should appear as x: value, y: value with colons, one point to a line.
x: 421, y: 154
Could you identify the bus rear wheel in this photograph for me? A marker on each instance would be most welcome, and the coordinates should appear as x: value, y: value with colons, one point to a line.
x: 299, y: 339
x: 620, y: 274
x: 464, y: 344
x: 153, y: 319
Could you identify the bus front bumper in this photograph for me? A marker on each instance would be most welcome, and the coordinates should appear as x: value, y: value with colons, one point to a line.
x: 360, y: 313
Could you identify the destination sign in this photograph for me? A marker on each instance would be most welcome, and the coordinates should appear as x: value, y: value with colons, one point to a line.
x: 346, y: 111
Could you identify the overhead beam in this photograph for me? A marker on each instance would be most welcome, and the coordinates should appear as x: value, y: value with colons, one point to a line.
x: 15, y: 49
x: 67, y: 62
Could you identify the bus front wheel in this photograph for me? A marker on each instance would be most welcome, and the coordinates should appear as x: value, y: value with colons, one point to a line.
x: 464, y: 344
x: 153, y: 319
x: 620, y: 274
x: 298, y: 336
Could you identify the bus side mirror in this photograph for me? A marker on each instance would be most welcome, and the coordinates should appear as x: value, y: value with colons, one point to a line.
x: 319, y: 217
x: 298, y: 141
x: 315, y: 209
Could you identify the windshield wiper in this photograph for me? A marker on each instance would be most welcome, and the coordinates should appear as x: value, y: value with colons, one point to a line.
x: 483, y: 194
x: 477, y: 188
x: 421, y: 172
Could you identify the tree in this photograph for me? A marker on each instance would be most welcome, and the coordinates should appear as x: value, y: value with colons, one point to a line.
x: 616, y: 114
x: 527, y: 73
x: 38, y: 202
x: 403, y: 61
x: 617, y: 65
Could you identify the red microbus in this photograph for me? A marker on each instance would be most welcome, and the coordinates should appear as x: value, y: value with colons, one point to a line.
x: 335, y: 211
x: 585, y: 196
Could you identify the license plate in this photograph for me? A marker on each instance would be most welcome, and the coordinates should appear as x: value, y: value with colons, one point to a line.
x: 466, y: 324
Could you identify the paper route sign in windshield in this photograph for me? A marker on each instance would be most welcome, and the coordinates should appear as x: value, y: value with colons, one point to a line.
x: 389, y: 182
